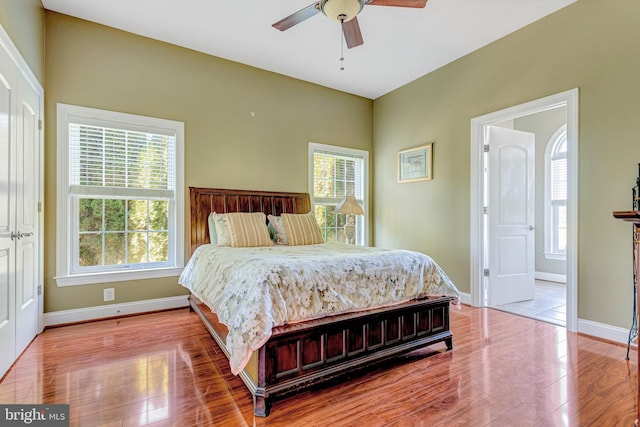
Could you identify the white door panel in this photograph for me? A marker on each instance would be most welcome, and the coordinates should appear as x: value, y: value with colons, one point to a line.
x: 510, y: 259
x: 511, y: 216
x: 7, y: 216
x: 512, y: 184
x: 26, y: 298
x: 7, y: 311
x: 27, y: 160
x: 27, y: 157
x: 6, y: 153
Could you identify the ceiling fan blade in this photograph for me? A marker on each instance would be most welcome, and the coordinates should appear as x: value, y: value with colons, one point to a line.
x: 352, y: 34
x: 298, y: 17
x: 399, y: 3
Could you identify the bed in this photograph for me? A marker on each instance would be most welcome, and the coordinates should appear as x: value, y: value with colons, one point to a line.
x: 297, y: 352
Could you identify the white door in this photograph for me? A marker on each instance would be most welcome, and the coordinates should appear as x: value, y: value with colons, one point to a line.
x: 27, y: 221
x: 20, y: 109
x: 511, y: 216
x: 7, y: 216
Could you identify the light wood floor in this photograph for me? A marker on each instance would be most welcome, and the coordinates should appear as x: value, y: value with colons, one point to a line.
x: 163, y: 369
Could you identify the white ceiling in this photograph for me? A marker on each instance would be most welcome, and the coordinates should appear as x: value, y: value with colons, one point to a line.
x: 400, y: 44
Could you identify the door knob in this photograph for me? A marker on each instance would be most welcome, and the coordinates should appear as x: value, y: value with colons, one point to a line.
x: 18, y: 235
x: 532, y: 227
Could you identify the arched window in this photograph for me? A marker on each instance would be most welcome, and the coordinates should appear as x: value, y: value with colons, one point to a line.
x: 555, y: 197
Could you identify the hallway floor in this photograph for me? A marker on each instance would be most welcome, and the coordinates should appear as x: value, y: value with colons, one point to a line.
x: 549, y: 304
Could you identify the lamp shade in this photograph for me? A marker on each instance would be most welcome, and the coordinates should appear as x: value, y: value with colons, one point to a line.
x: 337, y: 9
x: 349, y: 206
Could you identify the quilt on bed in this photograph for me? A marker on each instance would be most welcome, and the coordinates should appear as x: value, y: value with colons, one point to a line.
x: 255, y: 289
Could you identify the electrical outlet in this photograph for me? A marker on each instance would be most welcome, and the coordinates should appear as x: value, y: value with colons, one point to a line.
x: 109, y: 294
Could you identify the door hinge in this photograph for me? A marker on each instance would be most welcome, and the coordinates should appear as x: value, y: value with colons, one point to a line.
x: 40, y: 124
x: 486, y: 272
x: 486, y: 148
x: 39, y: 207
x: 485, y: 210
x: 39, y: 289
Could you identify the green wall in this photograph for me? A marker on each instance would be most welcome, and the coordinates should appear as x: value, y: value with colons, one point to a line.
x: 23, y: 20
x: 591, y: 45
x: 226, y: 147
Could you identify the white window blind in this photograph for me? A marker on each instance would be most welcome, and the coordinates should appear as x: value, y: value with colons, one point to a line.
x: 115, y: 162
x: 559, y: 179
x: 337, y: 175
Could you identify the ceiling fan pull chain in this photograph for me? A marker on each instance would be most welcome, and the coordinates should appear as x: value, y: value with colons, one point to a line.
x: 341, y: 42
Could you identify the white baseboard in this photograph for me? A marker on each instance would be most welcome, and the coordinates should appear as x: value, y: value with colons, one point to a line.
x: 465, y: 298
x: 113, y: 310
x: 604, y: 331
x: 587, y: 327
x: 551, y: 277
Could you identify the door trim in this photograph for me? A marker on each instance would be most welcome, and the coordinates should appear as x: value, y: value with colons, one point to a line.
x: 477, y: 249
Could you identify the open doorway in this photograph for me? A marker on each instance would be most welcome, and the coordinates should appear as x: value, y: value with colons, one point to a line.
x: 523, y: 257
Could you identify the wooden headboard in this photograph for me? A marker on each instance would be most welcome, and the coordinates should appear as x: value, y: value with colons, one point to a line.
x: 203, y: 201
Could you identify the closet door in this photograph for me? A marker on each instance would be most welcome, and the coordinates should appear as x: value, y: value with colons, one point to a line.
x: 27, y: 221
x: 7, y: 215
x: 20, y: 113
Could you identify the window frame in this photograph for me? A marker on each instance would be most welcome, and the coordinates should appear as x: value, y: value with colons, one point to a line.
x: 67, y: 230
x: 551, y: 250
x: 363, y: 220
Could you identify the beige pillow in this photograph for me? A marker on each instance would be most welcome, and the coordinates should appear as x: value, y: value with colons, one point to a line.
x: 302, y: 229
x: 281, y: 234
x: 248, y: 229
x: 220, y: 229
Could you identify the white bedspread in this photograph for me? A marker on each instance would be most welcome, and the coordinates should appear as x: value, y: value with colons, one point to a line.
x: 254, y: 289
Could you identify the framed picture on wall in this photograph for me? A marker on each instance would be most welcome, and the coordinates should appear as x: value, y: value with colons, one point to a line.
x: 416, y: 164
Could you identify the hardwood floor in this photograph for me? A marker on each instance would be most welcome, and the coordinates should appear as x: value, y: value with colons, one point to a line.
x: 163, y: 369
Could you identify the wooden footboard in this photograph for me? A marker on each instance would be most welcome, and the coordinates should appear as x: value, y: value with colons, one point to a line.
x: 304, y: 354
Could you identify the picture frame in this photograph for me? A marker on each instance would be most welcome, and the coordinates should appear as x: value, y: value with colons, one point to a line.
x: 416, y: 164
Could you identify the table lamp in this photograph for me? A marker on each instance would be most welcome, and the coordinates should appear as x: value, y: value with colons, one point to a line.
x: 350, y: 207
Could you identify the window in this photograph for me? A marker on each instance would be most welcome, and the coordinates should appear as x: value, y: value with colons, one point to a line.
x: 120, y: 196
x: 336, y: 172
x: 556, y: 196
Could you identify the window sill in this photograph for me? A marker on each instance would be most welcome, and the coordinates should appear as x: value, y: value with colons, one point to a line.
x: 554, y: 256
x: 117, y: 276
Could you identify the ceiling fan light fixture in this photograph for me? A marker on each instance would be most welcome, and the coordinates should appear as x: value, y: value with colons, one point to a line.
x: 341, y: 10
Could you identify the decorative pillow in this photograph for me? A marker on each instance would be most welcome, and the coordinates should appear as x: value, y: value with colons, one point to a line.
x: 220, y: 229
x: 281, y: 234
x: 248, y: 229
x: 213, y: 236
x: 301, y: 229
x: 272, y: 232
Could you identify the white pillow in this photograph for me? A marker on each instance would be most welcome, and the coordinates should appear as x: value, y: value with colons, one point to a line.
x: 221, y: 229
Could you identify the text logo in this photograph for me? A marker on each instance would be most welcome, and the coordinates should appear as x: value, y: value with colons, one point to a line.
x: 34, y: 415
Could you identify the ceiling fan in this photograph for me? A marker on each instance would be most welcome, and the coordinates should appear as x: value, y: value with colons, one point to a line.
x: 345, y: 12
